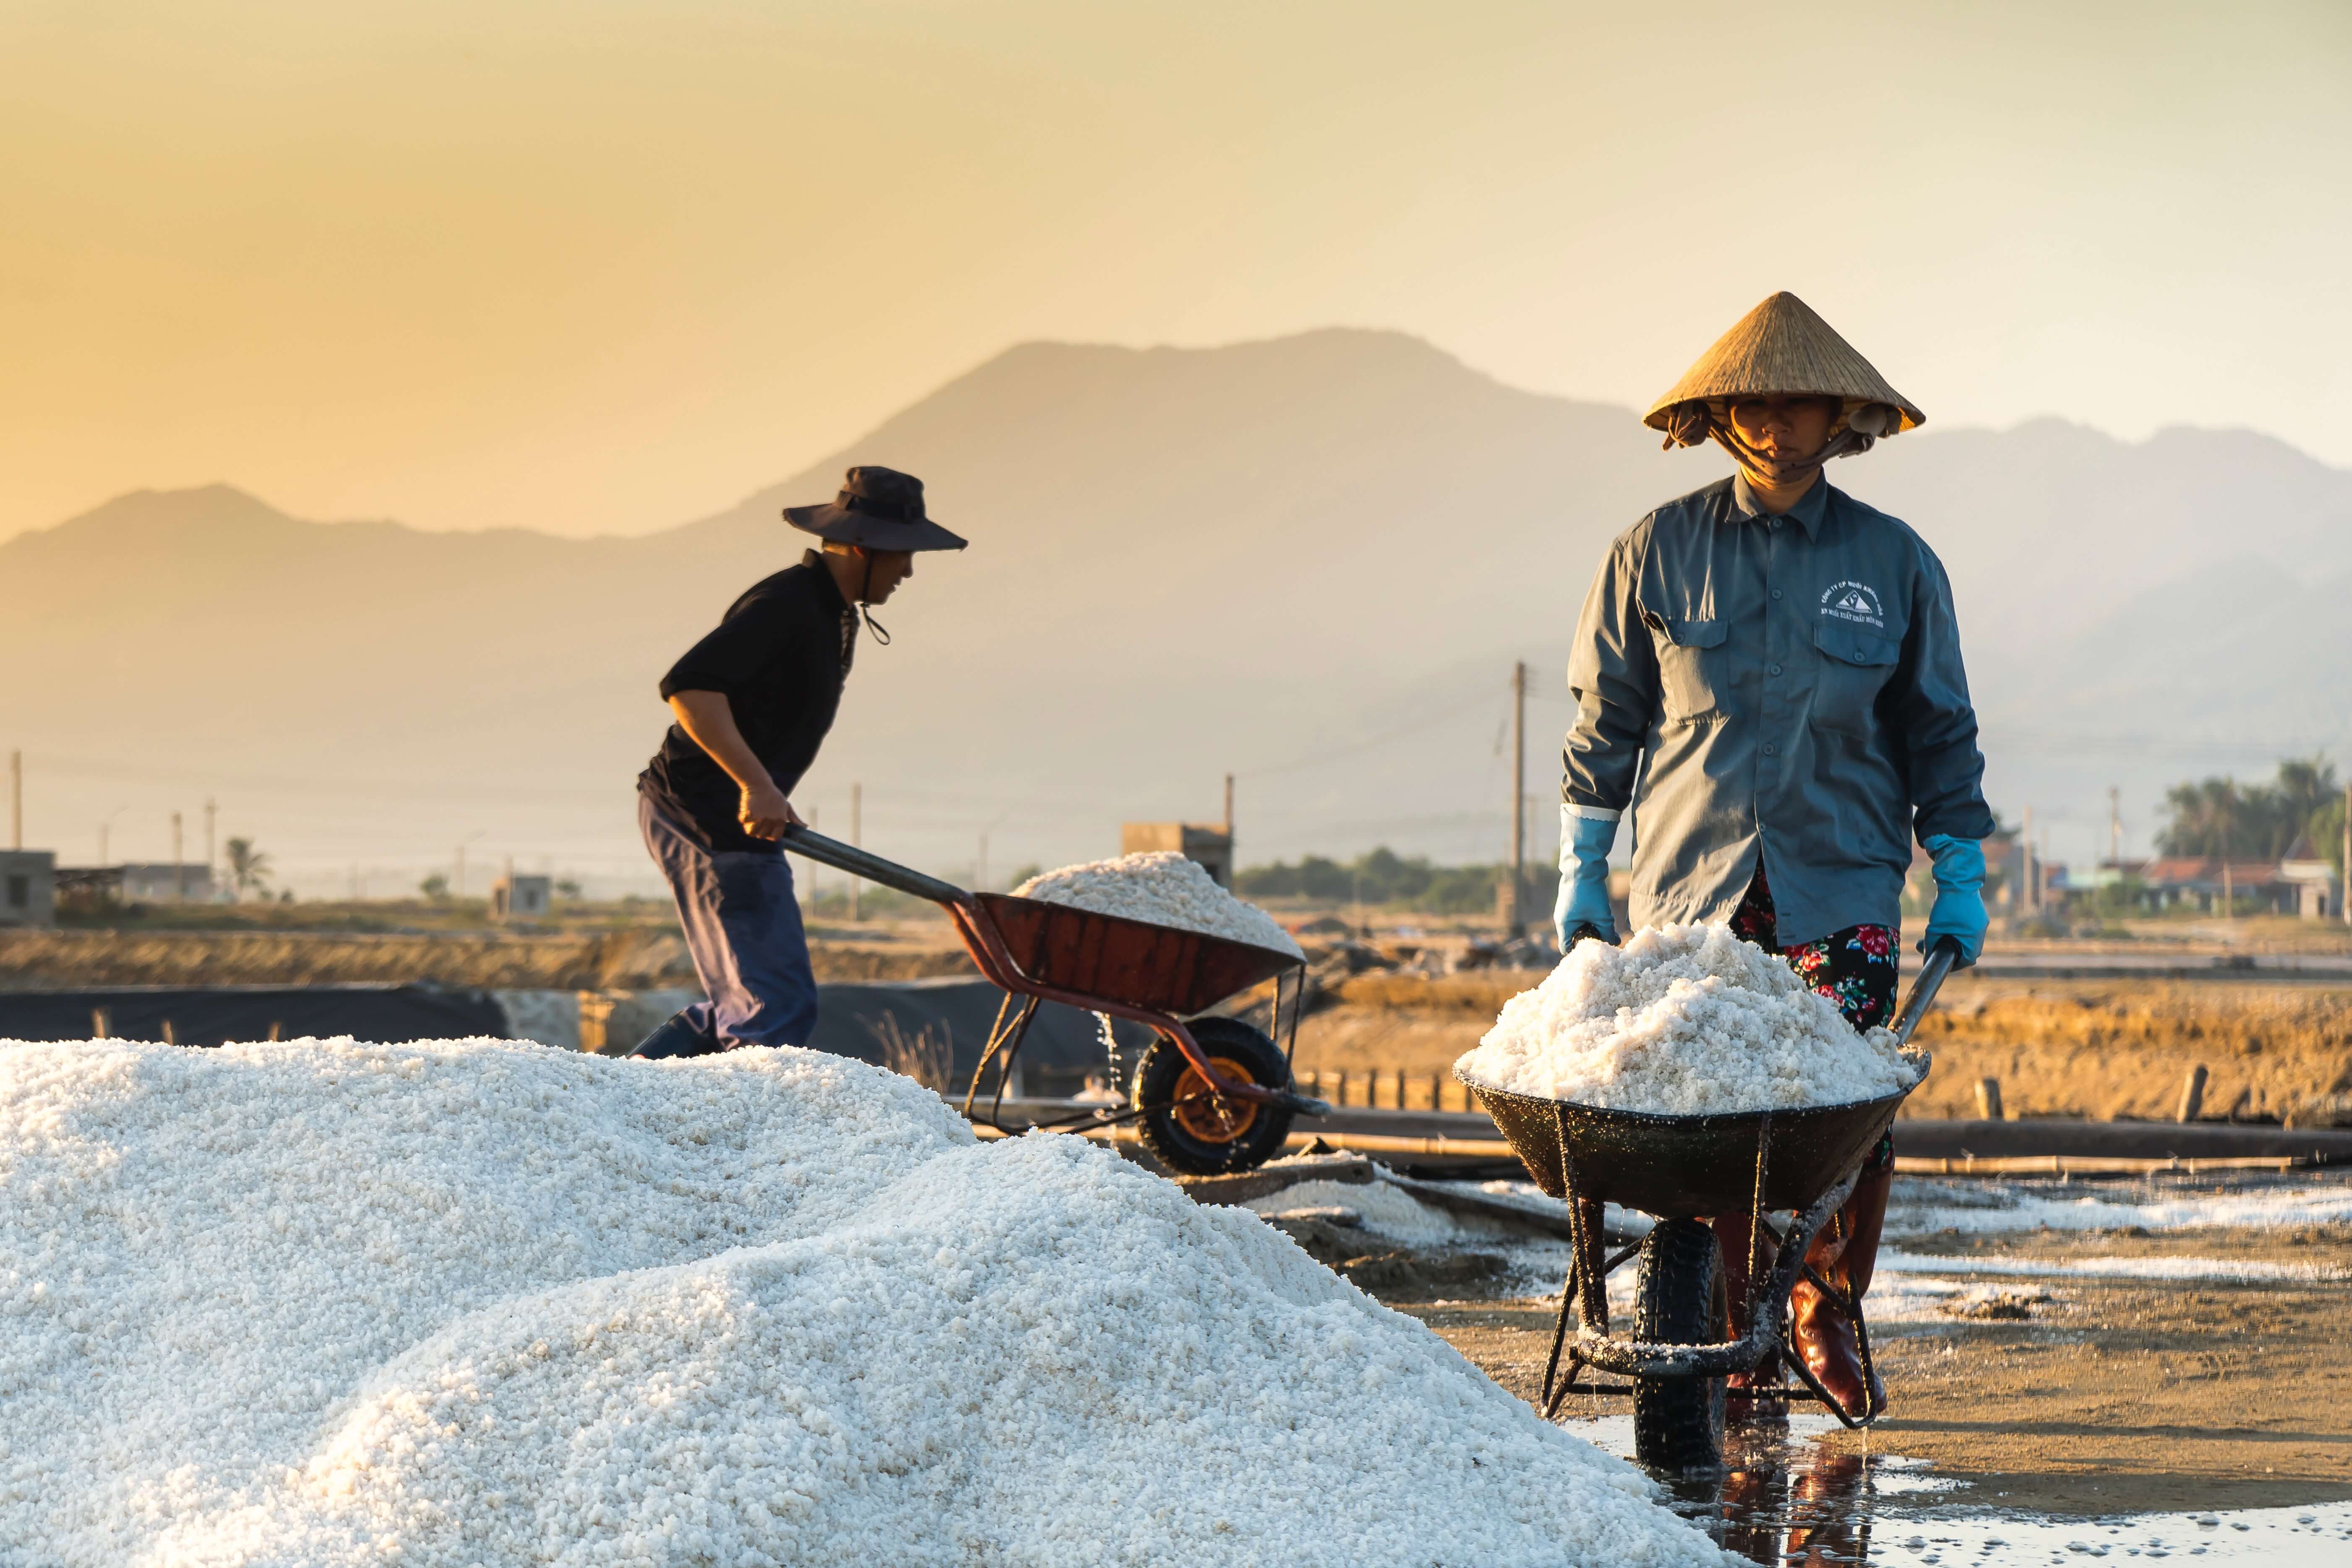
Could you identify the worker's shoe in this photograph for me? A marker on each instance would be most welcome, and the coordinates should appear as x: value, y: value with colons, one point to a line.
x: 678, y: 1035
x: 1844, y: 1254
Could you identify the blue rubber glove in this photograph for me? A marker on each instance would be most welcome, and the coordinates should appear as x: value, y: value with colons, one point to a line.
x: 1959, y: 911
x: 1584, y: 844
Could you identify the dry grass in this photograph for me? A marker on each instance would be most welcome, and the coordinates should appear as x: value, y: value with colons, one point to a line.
x: 2106, y: 1049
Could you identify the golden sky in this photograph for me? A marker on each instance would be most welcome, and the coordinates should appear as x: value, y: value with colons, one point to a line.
x: 606, y: 265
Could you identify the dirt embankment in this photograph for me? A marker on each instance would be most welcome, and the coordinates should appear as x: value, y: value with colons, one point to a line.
x: 645, y: 958
x: 2115, y: 1048
x: 2101, y: 1049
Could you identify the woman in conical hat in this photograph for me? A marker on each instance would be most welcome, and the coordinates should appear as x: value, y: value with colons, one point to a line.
x: 1768, y: 676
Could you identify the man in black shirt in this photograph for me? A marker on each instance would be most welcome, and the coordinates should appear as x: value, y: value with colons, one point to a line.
x: 753, y: 700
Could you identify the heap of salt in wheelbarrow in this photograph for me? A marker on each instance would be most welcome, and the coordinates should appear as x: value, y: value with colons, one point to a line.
x: 482, y: 1301
x: 1165, y: 889
x: 1683, y: 1020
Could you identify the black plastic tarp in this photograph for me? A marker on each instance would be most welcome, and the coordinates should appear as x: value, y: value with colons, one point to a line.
x: 1063, y: 1044
x: 210, y: 1016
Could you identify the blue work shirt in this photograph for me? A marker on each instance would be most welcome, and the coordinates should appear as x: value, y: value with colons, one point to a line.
x: 1785, y: 686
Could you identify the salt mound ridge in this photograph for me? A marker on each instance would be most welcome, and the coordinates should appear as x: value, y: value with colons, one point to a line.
x: 461, y: 1302
x: 1682, y: 1020
x: 1164, y: 888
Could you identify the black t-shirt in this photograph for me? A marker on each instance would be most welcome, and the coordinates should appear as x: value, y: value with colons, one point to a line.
x: 779, y: 656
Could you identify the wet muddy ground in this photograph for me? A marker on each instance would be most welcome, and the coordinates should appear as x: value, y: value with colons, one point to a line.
x: 2075, y: 1370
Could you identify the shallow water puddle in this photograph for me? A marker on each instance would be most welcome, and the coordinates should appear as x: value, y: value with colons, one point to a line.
x: 2164, y: 1201
x: 1787, y: 1499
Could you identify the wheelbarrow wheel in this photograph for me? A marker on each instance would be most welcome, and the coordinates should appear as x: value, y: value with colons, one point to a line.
x: 1679, y: 1300
x: 1196, y: 1133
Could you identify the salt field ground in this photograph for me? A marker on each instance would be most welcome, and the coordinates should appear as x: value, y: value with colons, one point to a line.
x: 2077, y: 1369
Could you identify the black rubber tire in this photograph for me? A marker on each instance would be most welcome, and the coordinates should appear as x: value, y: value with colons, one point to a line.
x: 1155, y: 1088
x: 1678, y: 1301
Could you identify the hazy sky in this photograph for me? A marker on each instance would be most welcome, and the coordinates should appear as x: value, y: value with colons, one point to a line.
x: 603, y: 264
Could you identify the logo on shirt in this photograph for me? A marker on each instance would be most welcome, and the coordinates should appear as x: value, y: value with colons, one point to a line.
x: 1854, y: 601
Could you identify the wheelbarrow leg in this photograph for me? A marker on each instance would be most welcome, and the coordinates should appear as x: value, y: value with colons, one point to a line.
x: 1585, y: 1291
x: 1740, y: 1237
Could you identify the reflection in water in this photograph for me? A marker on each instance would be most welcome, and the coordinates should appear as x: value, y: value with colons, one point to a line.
x: 1783, y: 1503
x: 1786, y: 1498
x: 1783, y: 1497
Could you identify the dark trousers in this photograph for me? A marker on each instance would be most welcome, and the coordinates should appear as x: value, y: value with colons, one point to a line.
x: 743, y: 927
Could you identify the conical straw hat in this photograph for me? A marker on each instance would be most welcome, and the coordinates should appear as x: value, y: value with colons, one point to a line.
x: 1781, y: 348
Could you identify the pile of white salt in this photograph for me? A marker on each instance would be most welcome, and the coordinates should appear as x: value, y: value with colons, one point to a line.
x: 462, y: 1302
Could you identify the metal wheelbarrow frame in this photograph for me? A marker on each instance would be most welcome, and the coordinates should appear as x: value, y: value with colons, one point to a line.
x: 1150, y: 974
x: 1803, y: 1160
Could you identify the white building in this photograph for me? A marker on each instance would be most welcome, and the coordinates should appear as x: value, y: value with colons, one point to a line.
x: 166, y: 882
x: 514, y: 898
x: 28, y: 888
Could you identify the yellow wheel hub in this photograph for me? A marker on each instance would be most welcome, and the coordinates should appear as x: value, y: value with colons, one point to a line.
x: 1205, y: 1115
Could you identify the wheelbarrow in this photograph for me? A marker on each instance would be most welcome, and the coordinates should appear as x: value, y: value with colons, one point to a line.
x: 1211, y: 1094
x: 1800, y: 1162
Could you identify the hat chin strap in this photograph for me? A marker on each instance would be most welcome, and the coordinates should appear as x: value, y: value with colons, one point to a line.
x: 864, y: 611
x: 1847, y: 442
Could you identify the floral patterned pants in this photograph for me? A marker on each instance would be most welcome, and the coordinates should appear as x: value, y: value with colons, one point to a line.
x: 1856, y: 968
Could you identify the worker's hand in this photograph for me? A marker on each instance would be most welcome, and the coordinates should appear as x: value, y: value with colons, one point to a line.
x: 765, y: 813
x: 1582, y: 905
x: 1959, y: 910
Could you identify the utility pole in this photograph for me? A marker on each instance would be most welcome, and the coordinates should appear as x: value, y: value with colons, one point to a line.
x: 212, y: 857
x: 856, y: 841
x: 1512, y: 911
x: 2344, y: 887
x: 1229, y: 810
x: 2229, y: 892
x: 2028, y: 891
x: 179, y: 864
x: 460, y: 890
x: 2115, y: 827
x: 16, y: 800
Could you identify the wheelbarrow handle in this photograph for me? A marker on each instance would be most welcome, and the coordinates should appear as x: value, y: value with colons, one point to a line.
x: 816, y: 847
x: 1947, y: 953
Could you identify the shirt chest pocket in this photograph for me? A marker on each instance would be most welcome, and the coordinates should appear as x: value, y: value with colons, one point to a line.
x: 1855, y: 666
x: 1691, y: 678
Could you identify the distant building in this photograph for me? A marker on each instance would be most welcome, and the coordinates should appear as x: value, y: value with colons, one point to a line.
x: 2258, y: 886
x: 2318, y: 892
x: 28, y: 888
x: 520, y: 897
x: 1211, y: 847
x: 163, y: 882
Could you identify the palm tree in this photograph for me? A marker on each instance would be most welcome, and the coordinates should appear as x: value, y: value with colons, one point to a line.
x: 248, y: 868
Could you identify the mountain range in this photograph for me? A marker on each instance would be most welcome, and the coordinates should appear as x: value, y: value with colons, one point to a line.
x: 1309, y: 562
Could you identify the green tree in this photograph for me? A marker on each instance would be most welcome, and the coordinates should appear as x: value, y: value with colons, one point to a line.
x: 2218, y: 817
x: 248, y: 868
x: 2327, y: 830
x: 436, y: 888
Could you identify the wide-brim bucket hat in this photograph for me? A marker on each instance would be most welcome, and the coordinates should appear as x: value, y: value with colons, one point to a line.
x: 879, y: 508
x: 1782, y: 349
